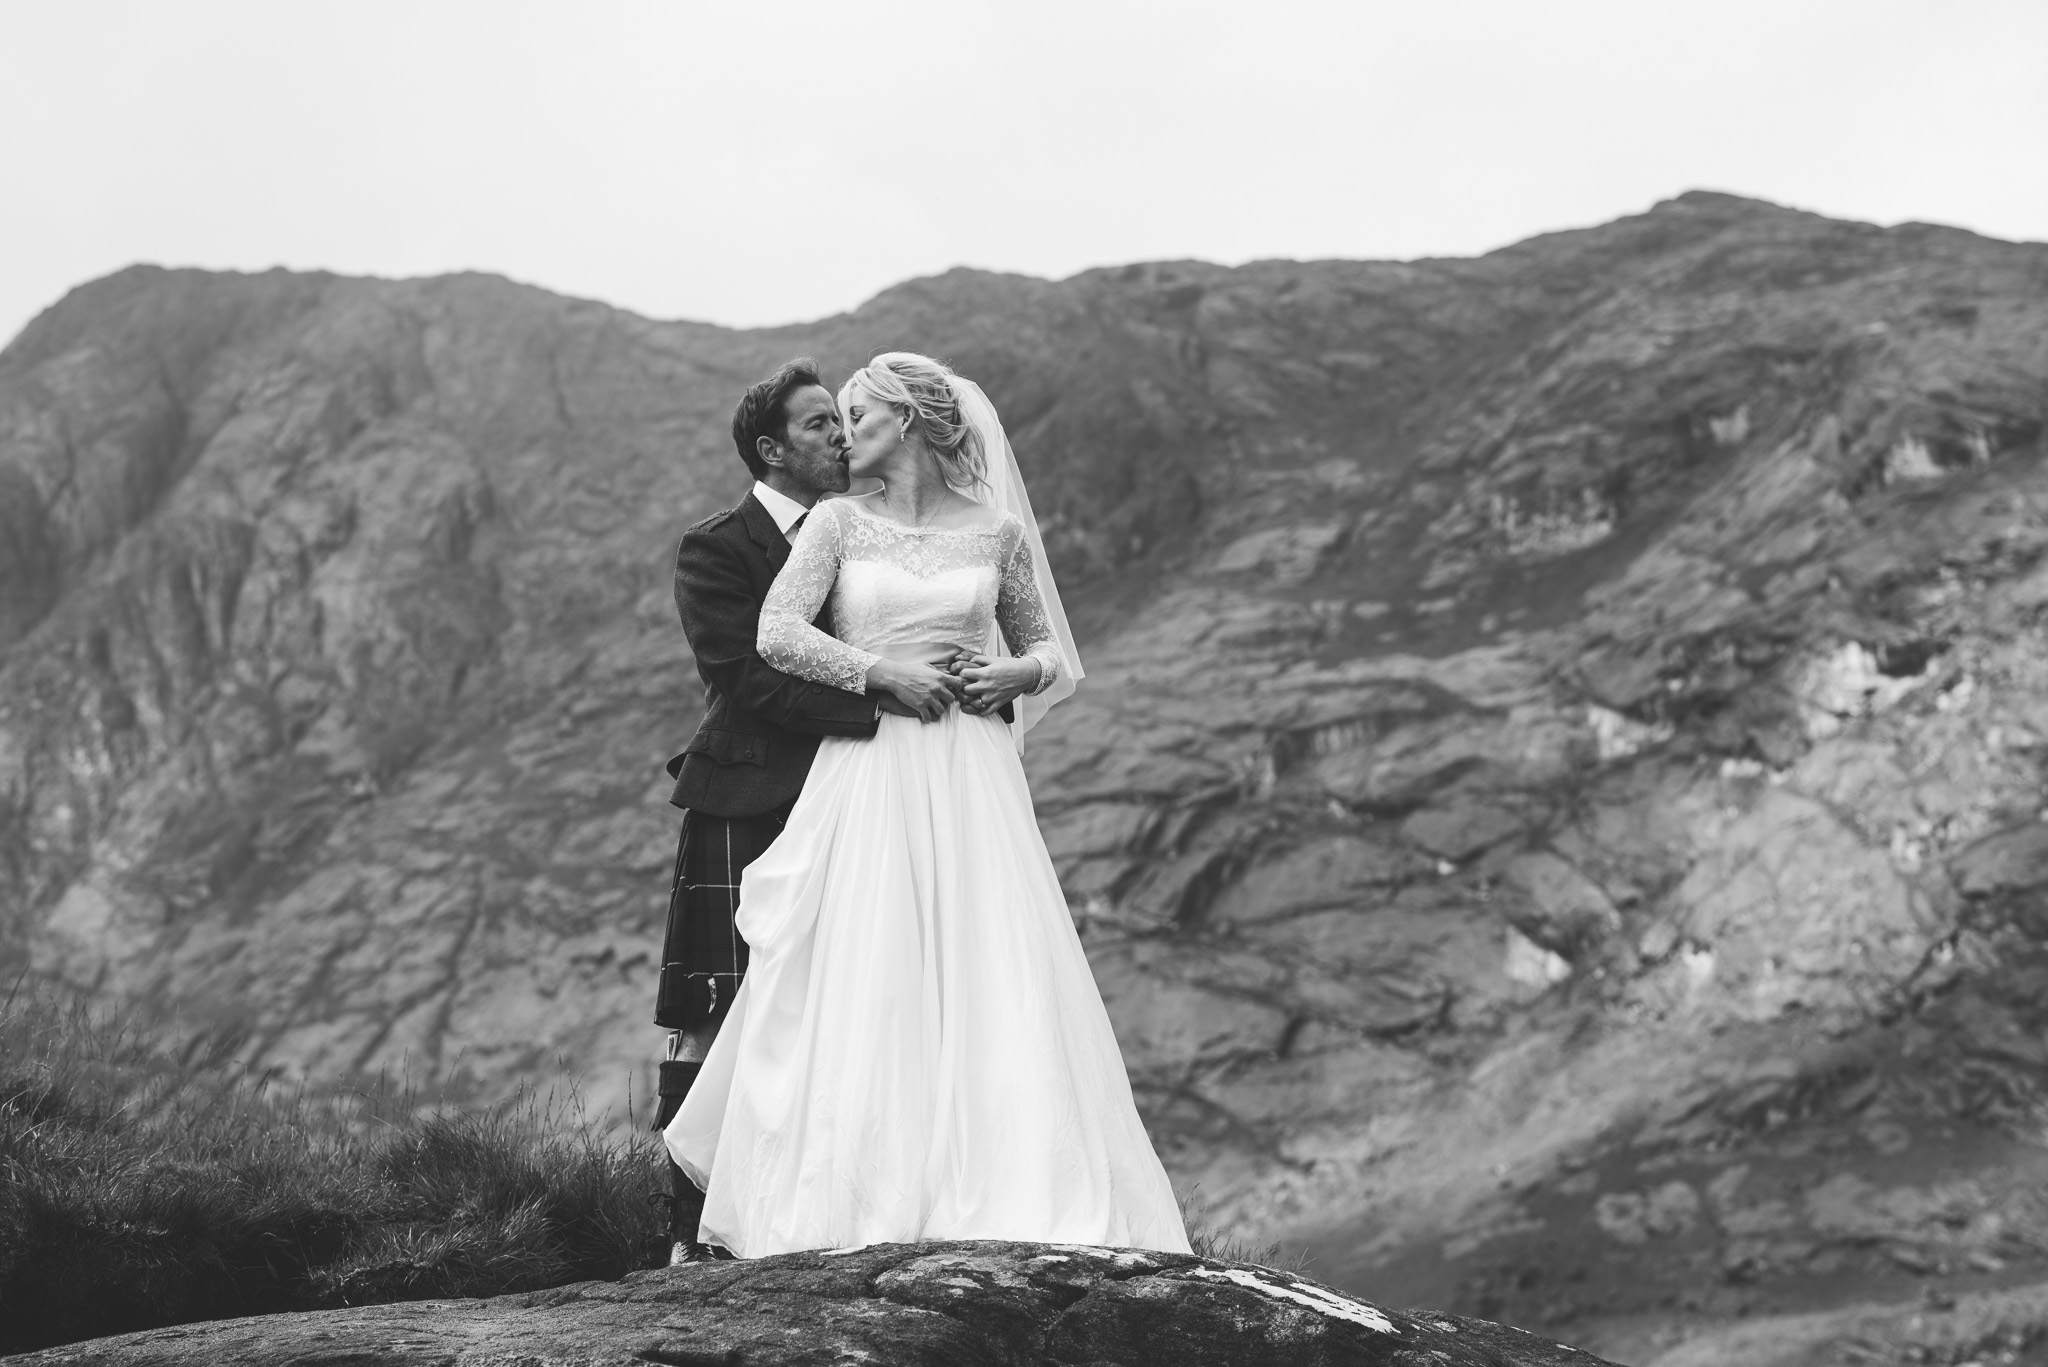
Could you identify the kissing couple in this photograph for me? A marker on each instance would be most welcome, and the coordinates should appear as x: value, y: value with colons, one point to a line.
x: 885, y: 1028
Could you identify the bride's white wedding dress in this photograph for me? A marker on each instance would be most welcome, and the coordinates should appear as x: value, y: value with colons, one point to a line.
x: 919, y: 1050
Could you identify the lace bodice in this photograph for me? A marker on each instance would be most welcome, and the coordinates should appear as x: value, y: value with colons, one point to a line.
x: 897, y: 585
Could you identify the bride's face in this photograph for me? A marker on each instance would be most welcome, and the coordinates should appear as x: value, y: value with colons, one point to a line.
x: 873, y: 432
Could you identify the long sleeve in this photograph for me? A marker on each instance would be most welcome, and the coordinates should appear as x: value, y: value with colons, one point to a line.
x: 720, y: 615
x: 787, y: 639
x: 1020, y: 612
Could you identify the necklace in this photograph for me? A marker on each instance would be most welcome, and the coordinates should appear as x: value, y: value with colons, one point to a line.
x: 938, y: 507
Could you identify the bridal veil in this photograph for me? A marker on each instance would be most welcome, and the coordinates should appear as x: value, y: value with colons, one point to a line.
x: 1004, y: 490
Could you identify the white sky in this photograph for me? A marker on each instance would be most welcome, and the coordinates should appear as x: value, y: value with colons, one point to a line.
x: 782, y: 160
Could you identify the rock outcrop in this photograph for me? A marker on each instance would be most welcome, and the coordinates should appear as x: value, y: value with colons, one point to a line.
x: 1557, y: 793
x: 922, y: 1305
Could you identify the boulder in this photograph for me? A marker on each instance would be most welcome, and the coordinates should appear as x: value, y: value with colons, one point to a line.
x: 1525, y: 747
x: 2011, y: 861
x: 1289, y: 554
x: 1346, y: 869
x: 1462, y: 828
x: 1794, y: 911
x: 946, y: 1305
x: 1561, y: 906
x: 1166, y: 1022
x: 1405, y: 765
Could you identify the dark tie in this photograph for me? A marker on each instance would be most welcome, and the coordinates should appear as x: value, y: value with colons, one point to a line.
x: 794, y: 528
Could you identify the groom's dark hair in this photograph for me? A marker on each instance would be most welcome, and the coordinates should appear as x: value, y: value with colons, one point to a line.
x: 763, y: 410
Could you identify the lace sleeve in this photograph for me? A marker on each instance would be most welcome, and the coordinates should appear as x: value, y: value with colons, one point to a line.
x: 1020, y: 612
x: 787, y: 639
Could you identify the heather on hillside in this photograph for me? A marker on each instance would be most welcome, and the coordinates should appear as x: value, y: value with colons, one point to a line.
x: 142, y: 1187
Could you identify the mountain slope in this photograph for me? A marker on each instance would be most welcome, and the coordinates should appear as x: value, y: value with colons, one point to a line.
x: 1562, y: 727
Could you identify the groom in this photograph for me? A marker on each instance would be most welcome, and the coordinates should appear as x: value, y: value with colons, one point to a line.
x: 739, y: 775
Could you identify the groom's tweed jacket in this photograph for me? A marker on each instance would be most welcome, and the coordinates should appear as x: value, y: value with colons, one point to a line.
x: 761, y: 726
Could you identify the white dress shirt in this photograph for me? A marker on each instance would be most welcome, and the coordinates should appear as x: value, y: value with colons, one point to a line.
x: 784, y: 509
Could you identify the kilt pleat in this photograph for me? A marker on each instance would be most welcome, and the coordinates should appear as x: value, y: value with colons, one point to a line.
x: 703, y: 957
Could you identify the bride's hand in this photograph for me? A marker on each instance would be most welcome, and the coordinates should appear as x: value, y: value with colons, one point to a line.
x: 925, y: 689
x: 990, y: 682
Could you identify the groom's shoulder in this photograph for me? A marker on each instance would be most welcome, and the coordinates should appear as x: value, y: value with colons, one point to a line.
x: 725, y: 520
x: 713, y: 522
x: 719, y: 537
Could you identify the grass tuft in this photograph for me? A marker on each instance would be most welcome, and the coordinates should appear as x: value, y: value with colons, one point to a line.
x: 1208, y: 1241
x: 142, y: 1186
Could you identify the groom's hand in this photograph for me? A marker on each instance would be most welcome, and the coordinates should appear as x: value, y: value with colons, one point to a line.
x: 925, y: 690
x: 886, y: 702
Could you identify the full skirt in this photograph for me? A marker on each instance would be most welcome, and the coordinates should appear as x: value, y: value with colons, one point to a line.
x: 919, y: 1050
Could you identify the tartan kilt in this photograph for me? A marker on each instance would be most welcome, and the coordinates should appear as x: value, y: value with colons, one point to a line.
x: 703, y: 957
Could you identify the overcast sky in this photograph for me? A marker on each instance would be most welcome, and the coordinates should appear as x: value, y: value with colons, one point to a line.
x: 765, y: 162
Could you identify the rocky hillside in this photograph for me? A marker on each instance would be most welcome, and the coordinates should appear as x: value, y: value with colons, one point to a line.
x: 1555, y: 810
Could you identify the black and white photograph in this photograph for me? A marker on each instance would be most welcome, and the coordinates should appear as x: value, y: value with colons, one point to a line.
x: 1300, y: 684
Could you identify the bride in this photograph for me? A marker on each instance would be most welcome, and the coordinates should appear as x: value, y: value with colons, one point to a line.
x: 919, y: 1050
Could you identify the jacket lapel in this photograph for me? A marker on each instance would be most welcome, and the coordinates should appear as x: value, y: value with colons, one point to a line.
x: 761, y: 528
x: 774, y: 545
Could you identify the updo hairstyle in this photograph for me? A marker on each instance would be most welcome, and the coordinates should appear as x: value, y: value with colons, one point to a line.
x: 921, y: 389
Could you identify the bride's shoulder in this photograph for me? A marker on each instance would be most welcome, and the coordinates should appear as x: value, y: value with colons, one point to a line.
x: 981, y: 520
x: 970, y: 514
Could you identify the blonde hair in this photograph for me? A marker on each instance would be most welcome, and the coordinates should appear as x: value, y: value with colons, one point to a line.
x: 922, y: 390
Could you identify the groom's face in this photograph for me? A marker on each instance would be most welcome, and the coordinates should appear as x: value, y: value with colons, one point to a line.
x: 813, y: 453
